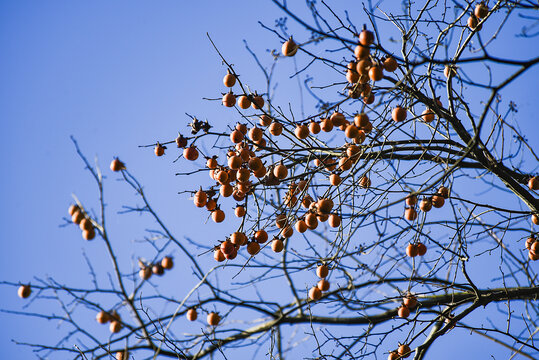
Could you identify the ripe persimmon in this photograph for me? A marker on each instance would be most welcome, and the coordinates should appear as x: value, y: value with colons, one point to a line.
x: 213, y: 319
x: 323, y: 285
x: 403, y: 312
x: 410, y: 214
x: 404, y: 350
x: 159, y: 150
x: 117, y: 165
x: 275, y: 128
x: 229, y: 100
x: 115, y: 326
x: 24, y: 291
x: 265, y: 120
x: 158, y: 269
x: 366, y: 37
x: 280, y: 172
x: 200, y: 199
x: 239, y: 211
x: 277, y: 245
x: 533, y: 183
x: 253, y: 248
x: 314, y: 127
x: 289, y: 47
x: 190, y: 153
x: 88, y: 234
x: 167, y: 263
x: 145, y: 273
x: 334, y: 220
x: 244, y: 102
x: 481, y: 10
x: 218, y: 255
x: 322, y: 271
x: 425, y: 205
x: 390, y: 64
x: 315, y: 293
x: 427, y: 115
x: 191, y: 314
x: 438, y: 201
x: 411, y: 250
x: 102, y: 317
x: 410, y: 301
x: 301, y: 132
x: 421, y: 249
x: 398, y: 114
x: 229, y: 79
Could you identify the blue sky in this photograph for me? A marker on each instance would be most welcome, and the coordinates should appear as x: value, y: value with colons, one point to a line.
x: 115, y: 75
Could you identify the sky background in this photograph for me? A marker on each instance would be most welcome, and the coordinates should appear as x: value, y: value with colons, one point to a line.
x: 115, y: 75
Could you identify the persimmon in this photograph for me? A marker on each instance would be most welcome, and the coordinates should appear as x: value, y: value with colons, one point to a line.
x: 334, y: 220
x: 181, y: 141
x: 366, y: 37
x: 393, y: 355
x: 243, y: 175
x: 253, y: 248
x: 117, y: 165
x: 218, y: 215
x: 369, y: 99
x: 287, y: 231
x: 122, y: 355
x: 326, y: 125
x: 229, y: 100
x: 361, y: 119
x: 227, y: 247
x: 481, y: 10
x: 311, y: 221
x: 72, y: 209
x: 86, y: 224
x: 190, y: 153
x: 88, y: 234
x: 425, y: 205
x: 365, y: 182
x: 411, y: 250
x: 289, y: 47
x: 77, y: 217
x: 533, y: 183
x: 411, y: 200
x: 200, y: 199
x: 238, y: 238
x: 352, y: 76
x: 404, y: 350
x: 323, y: 285
x: 450, y: 70
x: 167, y: 263
x: 367, y: 128
x: 363, y: 66
x: 473, y: 23
x: 314, y: 127
x: 403, y: 312
x: 427, y: 115
x: 315, y: 293
x: 255, y: 134
x: 325, y: 205
x: 529, y: 242
x: 398, y: 114
x: 102, y: 317
x: 145, y: 273
x: 410, y: 214
x: 390, y: 64
x: 222, y: 177
x: 535, y: 247
x: 281, y: 221
x: 352, y: 150
x: 301, y: 226
x: 444, y: 192
x: 191, y: 314
x: 242, y: 128
x: 361, y: 52
x: 229, y: 79
x: 337, y: 119
x: 351, y: 131
x: 239, y: 211
x: 232, y: 255
x: 234, y: 162
x: 277, y: 245
x: 535, y: 219
x: 421, y: 249
x: 24, y: 291
x: 265, y: 120
x: 280, y: 172
x: 261, y: 236
x: 301, y: 132
x: 376, y: 73
x: 410, y: 301
x: 534, y: 256
x: 322, y: 217
x: 438, y: 201
x: 322, y: 271
x: 158, y: 269
x: 159, y: 150
x: 335, y: 179
x: 236, y: 136
x: 213, y: 319
x: 218, y: 255
x: 306, y: 201
x: 211, y: 163
x: 211, y: 205
x: 275, y: 128
x: 115, y: 326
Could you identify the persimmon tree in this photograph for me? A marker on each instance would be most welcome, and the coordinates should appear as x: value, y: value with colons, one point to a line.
x: 395, y: 208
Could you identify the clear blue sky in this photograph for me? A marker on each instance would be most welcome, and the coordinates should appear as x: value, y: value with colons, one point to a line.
x: 115, y: 75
